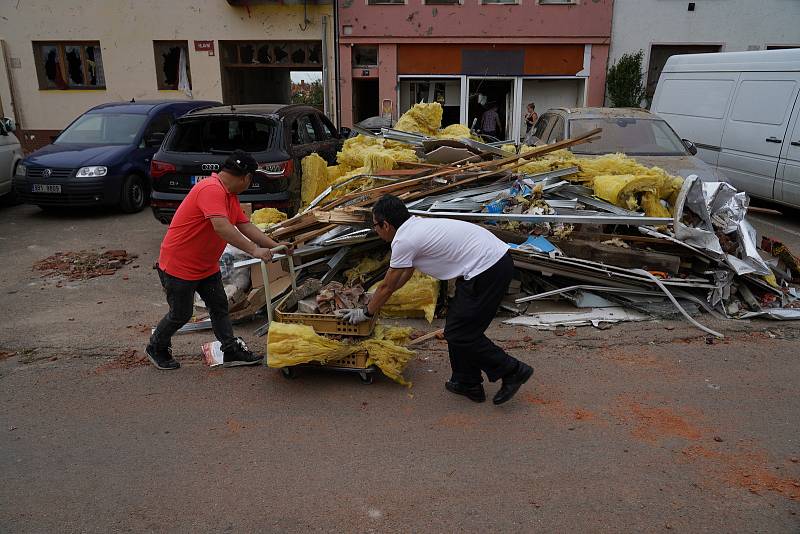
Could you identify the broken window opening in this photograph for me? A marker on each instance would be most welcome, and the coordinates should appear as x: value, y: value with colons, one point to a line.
x: 69, y: 65
x: 172, y: 66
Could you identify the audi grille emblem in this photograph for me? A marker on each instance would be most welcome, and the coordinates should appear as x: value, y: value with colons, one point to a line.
x: 46, y: 173
x: 210, y: 166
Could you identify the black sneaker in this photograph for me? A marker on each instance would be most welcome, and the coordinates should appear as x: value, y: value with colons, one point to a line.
x: 162, y: 359
x: 240, y: 355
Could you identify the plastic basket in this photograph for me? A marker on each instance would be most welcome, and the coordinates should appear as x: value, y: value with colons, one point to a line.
x: 322, y: 323
x: 357, y: 360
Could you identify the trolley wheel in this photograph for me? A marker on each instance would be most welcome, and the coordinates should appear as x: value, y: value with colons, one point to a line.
x: 289, y: 372
x: 366, y: 378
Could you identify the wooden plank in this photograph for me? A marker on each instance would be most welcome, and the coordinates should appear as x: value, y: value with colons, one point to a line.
x: 426, y: 337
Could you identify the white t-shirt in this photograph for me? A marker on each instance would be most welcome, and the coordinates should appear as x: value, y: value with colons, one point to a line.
x: 445, y: 248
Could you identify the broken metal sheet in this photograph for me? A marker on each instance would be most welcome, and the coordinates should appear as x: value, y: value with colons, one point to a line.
x: 779, y: 314
x: 593, y: 317
x: 718, y: 205
x: 523, y: 217
x: 458, y: 205
x: 404, y: 137
x: 483, y: 147
x: 445, y: 155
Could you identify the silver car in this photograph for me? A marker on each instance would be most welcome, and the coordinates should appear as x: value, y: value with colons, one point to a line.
x: 642, y: 135
x: 10, y: 156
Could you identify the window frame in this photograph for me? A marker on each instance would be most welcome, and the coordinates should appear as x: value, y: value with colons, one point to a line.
x: 386, y: 2
x: 60, y: 46
x: 159, y: 83
x: 443, y: 2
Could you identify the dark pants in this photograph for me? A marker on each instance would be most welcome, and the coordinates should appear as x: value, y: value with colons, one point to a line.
x: 470, y: 312
x: 180, y: 297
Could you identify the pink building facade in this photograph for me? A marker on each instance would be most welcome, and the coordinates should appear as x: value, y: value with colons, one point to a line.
x: 469, y: 54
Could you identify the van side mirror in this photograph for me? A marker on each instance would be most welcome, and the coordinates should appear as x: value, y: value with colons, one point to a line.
x: 154, y: 139
x: 345, y: 132
x: 690, y: 146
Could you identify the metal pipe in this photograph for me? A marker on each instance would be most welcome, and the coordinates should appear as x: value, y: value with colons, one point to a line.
x: 524, y: 217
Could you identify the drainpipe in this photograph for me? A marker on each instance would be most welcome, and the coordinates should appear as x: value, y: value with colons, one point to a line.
x: 336, y: 62
x: 325, y: 83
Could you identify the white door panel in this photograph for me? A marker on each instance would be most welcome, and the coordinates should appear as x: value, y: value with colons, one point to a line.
x: 755, y: 130
x: 788, y: 184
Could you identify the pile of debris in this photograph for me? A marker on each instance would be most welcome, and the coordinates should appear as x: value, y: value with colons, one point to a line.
x: 84, y: 264
x: 628, y: 242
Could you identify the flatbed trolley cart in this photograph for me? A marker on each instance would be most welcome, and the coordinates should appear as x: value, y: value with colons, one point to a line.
x: 321, y: 323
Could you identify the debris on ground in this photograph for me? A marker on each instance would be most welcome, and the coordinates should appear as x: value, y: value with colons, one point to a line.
x: 84, y: 264
x: 595, y: 240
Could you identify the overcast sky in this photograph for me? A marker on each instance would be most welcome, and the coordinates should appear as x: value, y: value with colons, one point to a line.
x: 298, y: 75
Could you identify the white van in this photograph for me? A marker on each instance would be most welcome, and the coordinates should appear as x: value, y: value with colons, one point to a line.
x: 741, y: 110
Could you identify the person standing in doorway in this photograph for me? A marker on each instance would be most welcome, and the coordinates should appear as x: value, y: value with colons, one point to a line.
x: 209, y: 217
x: 530, y: 117
x: 449, y: 249
x: 490, y: 121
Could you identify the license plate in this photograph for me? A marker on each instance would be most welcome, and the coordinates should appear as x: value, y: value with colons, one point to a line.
x: 46, y: 188
x: 195, y: 179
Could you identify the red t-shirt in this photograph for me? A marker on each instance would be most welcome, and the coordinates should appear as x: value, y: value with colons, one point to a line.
x: 191, y: 248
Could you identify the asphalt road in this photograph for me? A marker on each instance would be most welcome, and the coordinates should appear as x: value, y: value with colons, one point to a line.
x: 642, y: 427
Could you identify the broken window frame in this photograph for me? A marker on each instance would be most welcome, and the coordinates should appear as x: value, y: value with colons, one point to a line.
x: 158, y: 48
x: 231, y: 52
x: 45, y: 84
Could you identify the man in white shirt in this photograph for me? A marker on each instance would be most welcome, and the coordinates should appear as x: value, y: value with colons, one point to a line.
x: 482, y: 267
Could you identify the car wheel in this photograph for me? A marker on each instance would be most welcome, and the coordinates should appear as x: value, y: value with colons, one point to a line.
x: 134, y: 195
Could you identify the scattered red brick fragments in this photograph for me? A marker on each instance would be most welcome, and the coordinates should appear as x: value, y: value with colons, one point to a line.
x: 83, y: 265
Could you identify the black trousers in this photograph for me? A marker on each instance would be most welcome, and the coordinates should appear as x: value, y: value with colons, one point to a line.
x: 180, y: 297
x: 469, y: 315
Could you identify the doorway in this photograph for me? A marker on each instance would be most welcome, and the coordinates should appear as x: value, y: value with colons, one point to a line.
x: 485, y: 94
x: 365, y: 99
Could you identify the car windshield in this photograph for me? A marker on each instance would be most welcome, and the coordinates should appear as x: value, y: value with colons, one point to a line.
x: 220, y: 135
x: 103, y: 129
x: 635, y: 137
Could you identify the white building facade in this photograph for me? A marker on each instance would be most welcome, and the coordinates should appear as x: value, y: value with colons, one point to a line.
x: 663, y: 28
x: 61, y: 58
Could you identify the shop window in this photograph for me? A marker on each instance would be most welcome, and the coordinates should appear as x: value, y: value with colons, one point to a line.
x: 365, y: 56
x: 172, y: 65
x: 69, y: 65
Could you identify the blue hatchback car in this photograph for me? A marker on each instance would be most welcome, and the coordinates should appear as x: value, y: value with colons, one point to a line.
x: 102, y: 158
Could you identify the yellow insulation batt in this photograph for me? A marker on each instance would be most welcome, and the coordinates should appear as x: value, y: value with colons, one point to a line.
x: 356, y: 150
x: 415, y: 299
x: 293, y: 344
x: 365, y: 269
x: 266, y: 217
x: 454, y: 131
x: 425, y: 119
x: 315, y: 178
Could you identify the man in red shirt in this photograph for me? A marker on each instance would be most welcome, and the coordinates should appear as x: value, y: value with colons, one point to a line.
x: 209, y: 217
